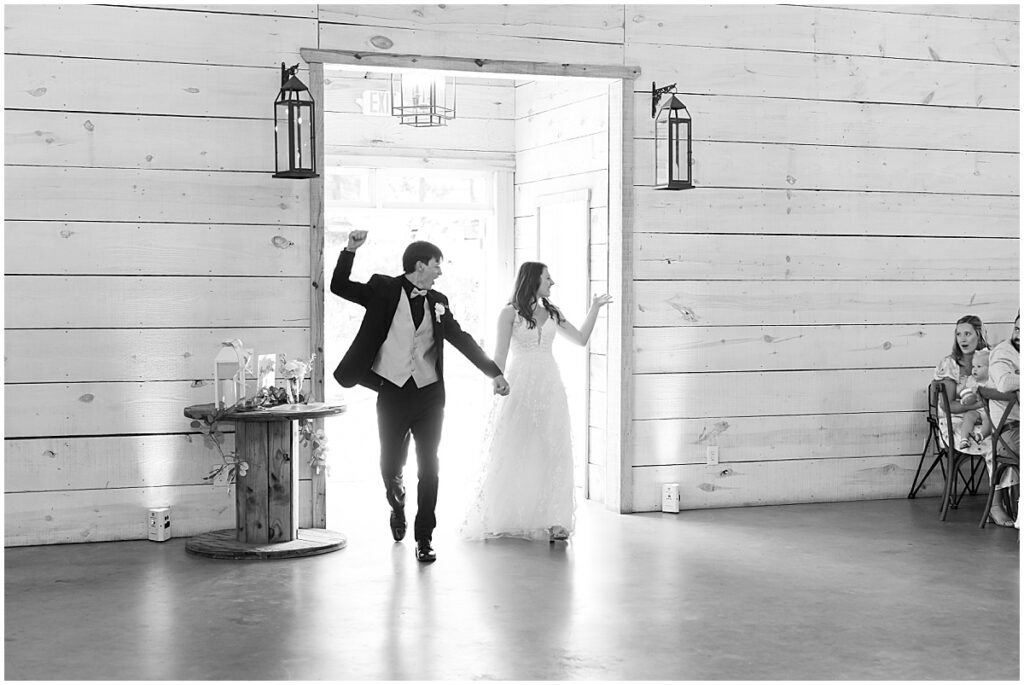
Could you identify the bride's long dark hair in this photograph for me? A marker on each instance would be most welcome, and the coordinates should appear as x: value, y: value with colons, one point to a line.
x: 524, y: 295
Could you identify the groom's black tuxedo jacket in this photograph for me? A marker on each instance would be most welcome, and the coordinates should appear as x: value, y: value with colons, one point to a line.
x: 380, y: 296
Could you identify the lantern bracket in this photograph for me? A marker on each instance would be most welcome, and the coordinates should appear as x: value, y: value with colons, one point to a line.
x: 288, y: 72
x: 656, y: 94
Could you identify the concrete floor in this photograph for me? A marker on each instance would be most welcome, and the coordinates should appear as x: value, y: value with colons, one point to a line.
x: 858, y: 591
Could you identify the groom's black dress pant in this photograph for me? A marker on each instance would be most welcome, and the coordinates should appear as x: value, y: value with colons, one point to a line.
x: 417, y: 413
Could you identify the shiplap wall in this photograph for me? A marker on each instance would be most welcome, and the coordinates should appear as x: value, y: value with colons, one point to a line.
x: 562, y: 145
x: 142, y: 228
x: 858, y: 191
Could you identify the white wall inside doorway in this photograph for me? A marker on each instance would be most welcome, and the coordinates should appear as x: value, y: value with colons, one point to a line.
x: 562, y: 138
x: 554, y: 134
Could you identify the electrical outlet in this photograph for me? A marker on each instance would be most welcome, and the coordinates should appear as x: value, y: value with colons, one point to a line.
x: 712, y: 454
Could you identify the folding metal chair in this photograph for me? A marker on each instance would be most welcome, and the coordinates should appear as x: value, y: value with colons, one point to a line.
x: 932, y: 438
x: 1002, y: 459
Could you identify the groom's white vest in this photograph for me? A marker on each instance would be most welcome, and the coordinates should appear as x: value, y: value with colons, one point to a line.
x: 407, y: 351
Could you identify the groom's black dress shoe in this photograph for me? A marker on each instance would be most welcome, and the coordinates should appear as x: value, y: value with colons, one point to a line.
x: 424, y: 552
x: 397, y: 526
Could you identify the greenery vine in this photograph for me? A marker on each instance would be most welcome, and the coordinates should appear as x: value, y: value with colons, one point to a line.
x: 232, y: 465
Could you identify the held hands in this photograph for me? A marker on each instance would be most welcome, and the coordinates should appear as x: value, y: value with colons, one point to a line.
x: 356, y: 239
x: 600, y: 301
x: 501, y: 386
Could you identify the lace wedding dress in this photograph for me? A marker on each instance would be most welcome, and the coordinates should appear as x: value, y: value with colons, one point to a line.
x: 525, y: 486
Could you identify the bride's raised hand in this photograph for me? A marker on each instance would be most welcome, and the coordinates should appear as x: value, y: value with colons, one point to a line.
x: 600, y: 301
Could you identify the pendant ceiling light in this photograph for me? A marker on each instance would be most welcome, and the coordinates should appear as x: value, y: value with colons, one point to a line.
x: 422, y: 98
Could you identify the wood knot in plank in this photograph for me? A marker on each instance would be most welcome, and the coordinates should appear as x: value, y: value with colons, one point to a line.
x: 89, y: 126
x: 382, y: 42
x: 66, y: 234
x: 87, y: 397
x: 684, y: 311
x: 37, y: 92
x: 716, y: 430
x: 280, y: 242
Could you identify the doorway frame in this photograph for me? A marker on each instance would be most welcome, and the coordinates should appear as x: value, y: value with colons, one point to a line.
x: 618, y: 488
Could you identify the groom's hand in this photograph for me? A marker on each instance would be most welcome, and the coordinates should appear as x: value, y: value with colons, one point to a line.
x: 356, y: 239
x: 500, y: 386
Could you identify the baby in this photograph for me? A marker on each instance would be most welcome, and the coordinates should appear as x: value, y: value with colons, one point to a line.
x: 976, y: 424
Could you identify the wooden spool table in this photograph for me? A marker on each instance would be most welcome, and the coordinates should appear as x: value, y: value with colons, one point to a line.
x: 266, y: 505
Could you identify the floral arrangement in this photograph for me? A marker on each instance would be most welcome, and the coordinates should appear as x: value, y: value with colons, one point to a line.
x: 295, y: 372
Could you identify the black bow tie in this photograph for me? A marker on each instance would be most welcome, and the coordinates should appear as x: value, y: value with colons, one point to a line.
x: 416, y: 292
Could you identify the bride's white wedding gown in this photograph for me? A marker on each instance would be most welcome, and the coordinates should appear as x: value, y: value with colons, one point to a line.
x: 526, y: 482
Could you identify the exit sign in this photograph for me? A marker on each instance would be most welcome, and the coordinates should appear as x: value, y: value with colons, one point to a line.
x: 376, y: 103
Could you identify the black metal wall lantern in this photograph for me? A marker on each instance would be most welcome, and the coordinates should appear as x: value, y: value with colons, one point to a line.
x: 422, y: 98
x: 294, y: 134
x: 673, y: 167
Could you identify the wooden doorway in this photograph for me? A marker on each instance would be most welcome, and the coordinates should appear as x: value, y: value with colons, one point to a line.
x: 611, y: 482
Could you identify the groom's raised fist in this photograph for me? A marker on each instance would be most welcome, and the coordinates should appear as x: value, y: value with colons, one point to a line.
x: 356, y: 239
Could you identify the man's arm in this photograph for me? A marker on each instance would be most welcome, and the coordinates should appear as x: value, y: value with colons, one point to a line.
x: 341, y: 286
x: 464, y: 343
x: 1003, y: 372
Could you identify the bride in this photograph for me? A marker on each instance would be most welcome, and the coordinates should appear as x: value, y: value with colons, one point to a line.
x: 525, y: 488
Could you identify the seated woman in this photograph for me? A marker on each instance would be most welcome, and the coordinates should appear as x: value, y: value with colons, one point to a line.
x: 955, y: 371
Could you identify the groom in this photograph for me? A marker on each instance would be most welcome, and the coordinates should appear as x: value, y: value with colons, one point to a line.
x: 399, y: 353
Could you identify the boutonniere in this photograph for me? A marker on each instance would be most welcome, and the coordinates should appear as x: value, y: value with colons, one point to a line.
x: 438, y: 311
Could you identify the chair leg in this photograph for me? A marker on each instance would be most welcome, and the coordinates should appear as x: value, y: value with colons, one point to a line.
x: 976, y: 464
x: 947, y: 490
x: 990, y: 498
x: 915, y: 486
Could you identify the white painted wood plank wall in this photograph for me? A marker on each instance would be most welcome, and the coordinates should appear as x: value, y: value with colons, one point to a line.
x: 893, y: 126
x: 562, y: 138
x: 857, y: 173
x: 142, y: 228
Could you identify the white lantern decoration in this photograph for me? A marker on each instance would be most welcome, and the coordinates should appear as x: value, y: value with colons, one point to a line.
x: 229, y: 373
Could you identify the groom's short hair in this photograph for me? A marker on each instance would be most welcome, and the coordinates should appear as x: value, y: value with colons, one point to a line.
x: 420, y: 251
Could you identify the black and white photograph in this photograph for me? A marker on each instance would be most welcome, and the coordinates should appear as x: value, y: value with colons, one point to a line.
x: 521, y: 342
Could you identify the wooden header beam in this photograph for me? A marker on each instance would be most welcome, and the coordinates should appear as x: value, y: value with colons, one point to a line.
x: 467, y: 64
